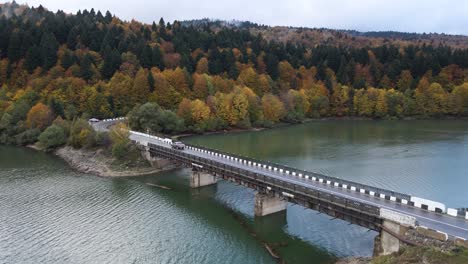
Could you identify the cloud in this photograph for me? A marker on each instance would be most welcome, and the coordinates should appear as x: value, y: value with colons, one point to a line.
x: 449, y: 16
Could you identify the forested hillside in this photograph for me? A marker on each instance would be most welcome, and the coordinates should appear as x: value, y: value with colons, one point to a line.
x: 175, y: 77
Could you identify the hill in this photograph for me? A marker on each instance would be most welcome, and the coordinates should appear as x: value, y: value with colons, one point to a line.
x: 211, y: 75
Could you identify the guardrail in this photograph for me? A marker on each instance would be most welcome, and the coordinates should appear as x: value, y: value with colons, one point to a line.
x: 363, y: 188
x: 113, y: 119
x: 462, y: 213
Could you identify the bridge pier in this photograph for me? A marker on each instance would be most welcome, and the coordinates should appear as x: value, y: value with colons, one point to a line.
x: 387, y: 241
x: 156, y: 162
x: 266, y: 204
x: 394, y: 227
x: 200, y: 179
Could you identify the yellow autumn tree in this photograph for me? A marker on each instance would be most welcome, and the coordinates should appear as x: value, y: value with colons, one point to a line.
x: 249, y: 78
x: 164, y: 94
x: 287, y: 75
x: 317, y: 94
x: 178, y: 80
x: 431, y: 100
x: 340, y: 100
x: 459, y: 100
x: 200, y: 111
x: 141, y: 88
x: 381, y: 108
x: 224, y: 108
x: 119, y: 88
x: 264, y: 84
x: 240, y: 105
x: 273, y: 108
x: 395, y: 102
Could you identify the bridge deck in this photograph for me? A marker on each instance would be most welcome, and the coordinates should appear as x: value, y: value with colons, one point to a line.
x: 451, y: 225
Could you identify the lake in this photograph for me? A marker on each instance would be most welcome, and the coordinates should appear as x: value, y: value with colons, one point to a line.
x: 51, y: 214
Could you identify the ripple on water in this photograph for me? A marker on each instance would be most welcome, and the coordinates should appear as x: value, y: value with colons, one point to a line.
x: 50, y: 215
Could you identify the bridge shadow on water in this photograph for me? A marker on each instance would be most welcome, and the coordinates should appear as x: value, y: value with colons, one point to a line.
x: 296, y: 235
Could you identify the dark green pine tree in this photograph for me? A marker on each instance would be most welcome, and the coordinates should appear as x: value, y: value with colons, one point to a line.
x: 72, y: 38
x: 111, y: 63
x: 233, y: 72
x: 99, y: 16
x: 187, y: 62
x: 146, y: 59
x: 162, y: 29
x: 33, y: 58
x: 215, y: 66
x: 350, y: 70
x: 108, y: 17
x: 271, y: 62
x: 14, y: 47
x: 56, y: 105
x: 86, y: 71
x: 322, y: 71
x: 68, y: 59
x: 162, y: 24
x: 342, y: 75
x: 157, y: 59
x: 48, y: 49
x: 147, y: 33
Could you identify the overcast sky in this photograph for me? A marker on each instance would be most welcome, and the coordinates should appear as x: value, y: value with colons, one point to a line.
x: 442, y: 16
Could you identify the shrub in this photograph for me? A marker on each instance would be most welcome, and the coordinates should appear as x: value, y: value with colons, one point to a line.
x: 103, y: 139
x: 81, y: 134
x: 119, y: 150
x: 52, y: 137
x: 27, y: 137
x: 150, y: 117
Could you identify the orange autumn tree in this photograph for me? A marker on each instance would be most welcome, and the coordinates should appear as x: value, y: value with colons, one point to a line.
x: 200, y: 86
x: 40, y: 116
x: 185, y: 111
x: 202, y: 66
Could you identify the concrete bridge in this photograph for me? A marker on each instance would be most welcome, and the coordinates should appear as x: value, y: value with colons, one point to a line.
x: 388, y: 212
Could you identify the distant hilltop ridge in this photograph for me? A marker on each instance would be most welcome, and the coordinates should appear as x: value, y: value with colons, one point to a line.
x: 304, y: 35
x: 343, y: 37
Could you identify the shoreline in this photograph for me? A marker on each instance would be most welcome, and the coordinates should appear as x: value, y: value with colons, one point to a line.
x: 309, y: 120
x: 95, y: 162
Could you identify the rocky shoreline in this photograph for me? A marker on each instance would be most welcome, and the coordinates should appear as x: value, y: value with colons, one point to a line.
x: 98, y: 163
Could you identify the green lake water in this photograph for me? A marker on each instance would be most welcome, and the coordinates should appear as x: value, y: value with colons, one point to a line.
x: 51, y: 214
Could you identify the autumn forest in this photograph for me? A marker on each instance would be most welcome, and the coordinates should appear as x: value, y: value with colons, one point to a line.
x: 182, y: 76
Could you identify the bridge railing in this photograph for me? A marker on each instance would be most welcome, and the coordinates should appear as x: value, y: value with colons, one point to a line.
x: 330, y: 180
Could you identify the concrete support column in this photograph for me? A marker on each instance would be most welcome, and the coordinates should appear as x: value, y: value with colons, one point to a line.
x: 386, y: 242
x: 156, y: 162
x: 266, y: 204
x: 200, y: 178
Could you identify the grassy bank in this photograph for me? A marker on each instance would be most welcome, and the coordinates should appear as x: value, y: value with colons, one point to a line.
x: 424, y: 255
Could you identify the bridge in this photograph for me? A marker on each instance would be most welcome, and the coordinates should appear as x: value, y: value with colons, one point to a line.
x: 385, y: 211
